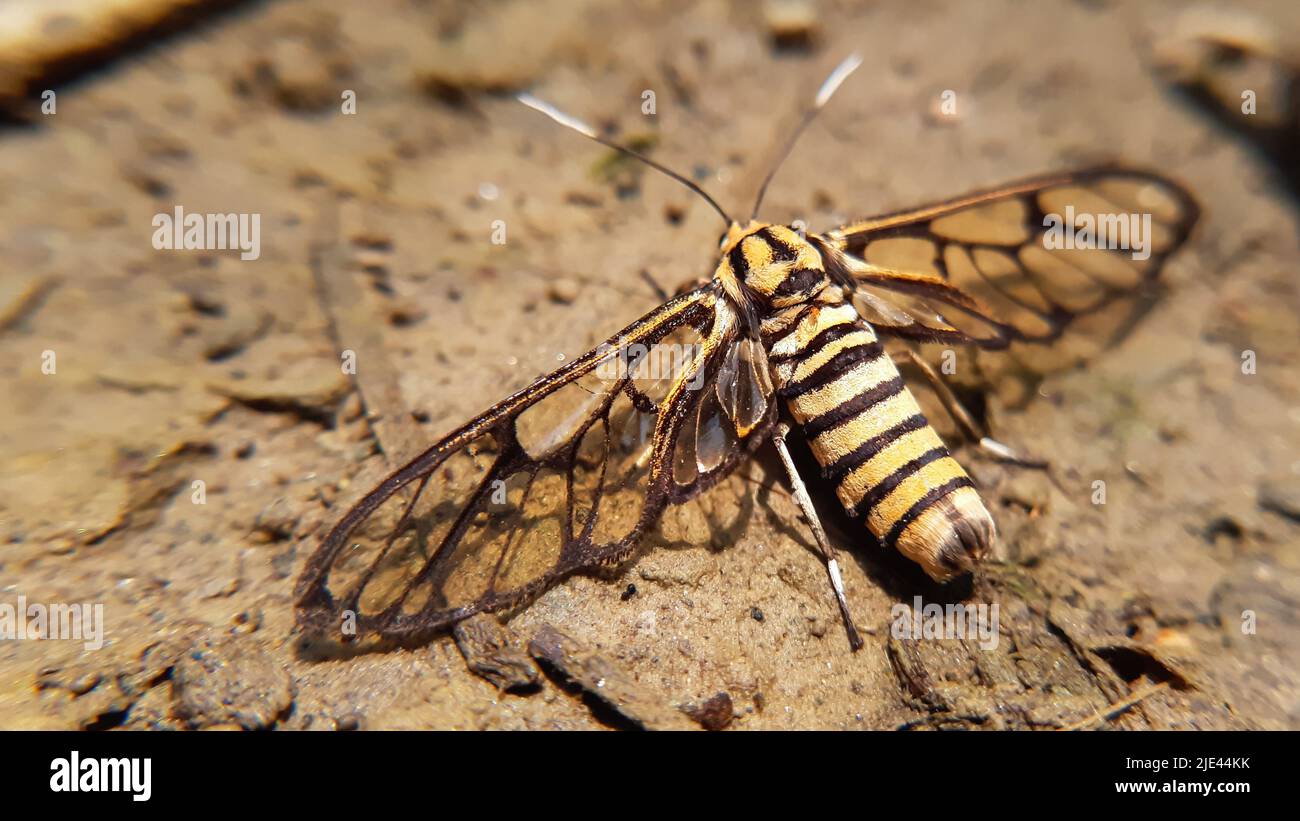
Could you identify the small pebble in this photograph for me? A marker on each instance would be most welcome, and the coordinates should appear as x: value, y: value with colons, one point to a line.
x: 563, y: 291
x: 792, y: 24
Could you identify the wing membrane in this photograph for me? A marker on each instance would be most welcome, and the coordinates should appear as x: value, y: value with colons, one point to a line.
x: 1009, y: 264
x: 565, y: 475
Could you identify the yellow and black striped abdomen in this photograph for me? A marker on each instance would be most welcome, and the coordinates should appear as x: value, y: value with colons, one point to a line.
x: 868, y: 433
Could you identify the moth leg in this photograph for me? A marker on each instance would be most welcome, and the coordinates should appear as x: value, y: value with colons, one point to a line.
x: 957, y: 411
x: 1005, y: 453
x: 654, y: 285
x: 810, y: 513
x: 691, y: 285
x: 951, y: 403
x: 686, y: 286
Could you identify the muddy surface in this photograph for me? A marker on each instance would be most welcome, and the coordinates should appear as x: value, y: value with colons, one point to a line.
x: 178, y: 432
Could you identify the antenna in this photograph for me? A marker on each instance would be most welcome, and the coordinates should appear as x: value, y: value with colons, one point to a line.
x: 833, y: 82
x: 587, y: 131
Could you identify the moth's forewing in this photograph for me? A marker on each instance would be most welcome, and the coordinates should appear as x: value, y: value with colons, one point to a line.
x: 566, y: 475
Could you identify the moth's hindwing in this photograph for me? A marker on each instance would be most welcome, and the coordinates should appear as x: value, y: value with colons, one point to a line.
x: 990, y: 268
x: 1011, y: 268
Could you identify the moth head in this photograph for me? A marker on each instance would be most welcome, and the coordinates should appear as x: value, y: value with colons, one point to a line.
x: 775, y: 264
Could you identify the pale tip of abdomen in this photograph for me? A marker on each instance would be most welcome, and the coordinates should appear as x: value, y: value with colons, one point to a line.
x: 950, y: 536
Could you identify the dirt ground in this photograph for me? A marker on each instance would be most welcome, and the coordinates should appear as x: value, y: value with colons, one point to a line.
x: 177, y: 367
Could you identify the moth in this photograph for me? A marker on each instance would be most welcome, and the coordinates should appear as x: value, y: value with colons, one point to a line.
x: 790, y: 332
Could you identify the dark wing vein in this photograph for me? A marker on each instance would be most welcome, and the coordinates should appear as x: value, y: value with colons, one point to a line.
x: 565, y: 475
x: 992, y: 268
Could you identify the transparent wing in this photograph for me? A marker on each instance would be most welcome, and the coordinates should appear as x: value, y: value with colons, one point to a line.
x: 565, y: 475
x: 1017, y: 263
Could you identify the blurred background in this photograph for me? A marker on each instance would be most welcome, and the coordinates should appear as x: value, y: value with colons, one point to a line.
x: 178, y: 429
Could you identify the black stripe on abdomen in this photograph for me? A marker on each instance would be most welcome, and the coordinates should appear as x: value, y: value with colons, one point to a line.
x: 920, y: 505
x: 839, y: 365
